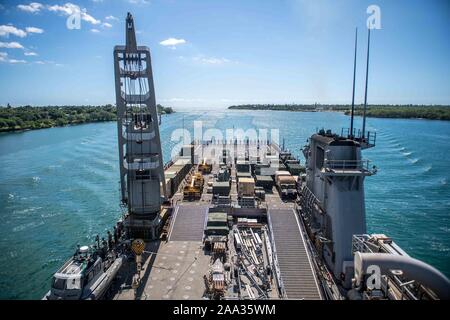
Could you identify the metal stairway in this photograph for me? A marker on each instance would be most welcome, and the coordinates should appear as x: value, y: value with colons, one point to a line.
x: 189, y: 223
x: 296, y: 272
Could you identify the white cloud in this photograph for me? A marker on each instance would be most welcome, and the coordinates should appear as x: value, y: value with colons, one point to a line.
x: 16, y: 61
x: 7, y: 30
x: 107, y: 25
x: 211, y: 60
x: 33, y: 7
x: 30, y: 53
x: 139, y: 1
x: 11, y: 45
x: 47, y: 62
x: 112, y: 18
x: 34, y: 30
x: 95, y: 30
x: 172, y: 42
x: 69, y: 9
x: 4, y: 58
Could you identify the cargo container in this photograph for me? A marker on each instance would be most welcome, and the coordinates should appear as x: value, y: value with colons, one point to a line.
x: 264, y: 181
x: 261, y: 166
x: 246, y: 202
x: 260, y: 194
x: 295, y: 169
x: 246, y: 187
x: 240, y: 175
x: 187, y: 151
x: 223, y: 174
x: 291, y: 161
x: 175, y: 174
x: 242, y: 166
x: 221, y: 188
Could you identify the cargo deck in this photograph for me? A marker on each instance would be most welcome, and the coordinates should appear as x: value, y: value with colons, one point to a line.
x: 271, y: 236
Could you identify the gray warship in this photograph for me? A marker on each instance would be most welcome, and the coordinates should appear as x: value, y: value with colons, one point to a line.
x: 238, y: 218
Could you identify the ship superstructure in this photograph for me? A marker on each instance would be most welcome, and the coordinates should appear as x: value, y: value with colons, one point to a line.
x: 242, y: 218
x: 333, y: 197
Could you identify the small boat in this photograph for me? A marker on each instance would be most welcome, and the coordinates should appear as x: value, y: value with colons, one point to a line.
x: 86, y: 276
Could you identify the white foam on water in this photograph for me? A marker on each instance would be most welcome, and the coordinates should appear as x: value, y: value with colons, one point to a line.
x: 50, y: 215
x: 407, y: 153
x: 31, y: 209
x: 29, y: 225
x: 428, y: 169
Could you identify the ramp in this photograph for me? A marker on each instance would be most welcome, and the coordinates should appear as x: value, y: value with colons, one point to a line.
x: 297, y: 274
x: 188, y: 223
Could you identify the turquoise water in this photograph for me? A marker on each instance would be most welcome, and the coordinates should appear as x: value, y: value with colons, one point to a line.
x: 59, y: 186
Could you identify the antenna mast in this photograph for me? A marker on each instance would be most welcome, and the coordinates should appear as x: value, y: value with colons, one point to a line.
x: 354, y: 76
x: 365, y: 94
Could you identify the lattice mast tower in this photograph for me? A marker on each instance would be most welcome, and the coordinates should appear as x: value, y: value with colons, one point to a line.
x: 141, y: 161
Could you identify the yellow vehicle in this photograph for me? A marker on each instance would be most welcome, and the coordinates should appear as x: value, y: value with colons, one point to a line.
x: 194, y: 187
x: 205, y: 167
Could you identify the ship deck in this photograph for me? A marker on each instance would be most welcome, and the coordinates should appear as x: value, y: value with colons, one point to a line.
x: 177, y: 268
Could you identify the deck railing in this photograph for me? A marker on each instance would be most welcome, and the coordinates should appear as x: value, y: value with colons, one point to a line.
x: 368, y: 137
x: 344, y: 165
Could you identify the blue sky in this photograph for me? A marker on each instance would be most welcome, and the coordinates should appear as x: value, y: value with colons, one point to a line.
x: 224, y: 52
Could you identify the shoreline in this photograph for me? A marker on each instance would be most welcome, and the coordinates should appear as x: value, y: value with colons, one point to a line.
x: 439, y: 113
x: 27, y: 118
x: 55, y: 126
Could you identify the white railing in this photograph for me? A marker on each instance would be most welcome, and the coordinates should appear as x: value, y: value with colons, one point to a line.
x: 359, y: 243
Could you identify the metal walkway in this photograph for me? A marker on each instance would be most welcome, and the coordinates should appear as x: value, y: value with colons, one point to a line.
x: 297, y: 274
x: 188, y: 223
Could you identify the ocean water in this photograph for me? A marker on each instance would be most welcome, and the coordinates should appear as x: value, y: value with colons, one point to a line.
x: 59, y: 187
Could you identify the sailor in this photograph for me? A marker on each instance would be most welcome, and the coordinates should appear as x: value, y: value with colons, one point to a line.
x: 104, y: 248
x: 96, y: 250
x: 116, y: 235
x: 77, y: 252
x: 110, y: 241
x: 119, y: 229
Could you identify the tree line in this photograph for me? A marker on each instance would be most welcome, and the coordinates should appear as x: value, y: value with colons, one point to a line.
x: 29, y: 118
x: 434, y: 112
